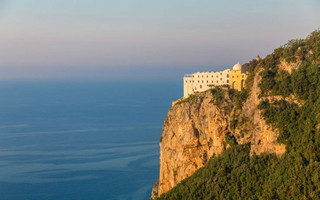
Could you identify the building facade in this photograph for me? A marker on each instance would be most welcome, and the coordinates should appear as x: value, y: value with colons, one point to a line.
x: 202, y: 81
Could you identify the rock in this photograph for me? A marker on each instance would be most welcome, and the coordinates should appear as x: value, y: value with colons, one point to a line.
x: 192, y: 133
x: 263, y: 138
x: 288, y: 67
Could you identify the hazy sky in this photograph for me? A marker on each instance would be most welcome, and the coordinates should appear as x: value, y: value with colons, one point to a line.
x: 143, y: 39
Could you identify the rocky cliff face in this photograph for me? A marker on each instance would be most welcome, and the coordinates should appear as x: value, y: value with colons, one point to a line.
x: 192, y: 133
x: 261, y: 136
x: 195, y: 130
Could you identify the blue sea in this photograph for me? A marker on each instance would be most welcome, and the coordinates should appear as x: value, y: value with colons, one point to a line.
x: 90, y: 140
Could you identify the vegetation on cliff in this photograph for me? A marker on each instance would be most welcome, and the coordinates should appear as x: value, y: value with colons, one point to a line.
x: 290, y: 89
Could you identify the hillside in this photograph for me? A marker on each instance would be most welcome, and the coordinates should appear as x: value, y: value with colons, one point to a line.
x: 261, y: 143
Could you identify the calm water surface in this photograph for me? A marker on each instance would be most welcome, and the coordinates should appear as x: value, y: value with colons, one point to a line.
x: 81, y: 139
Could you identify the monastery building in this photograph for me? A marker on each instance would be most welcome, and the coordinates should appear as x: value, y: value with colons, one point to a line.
x: 202, y: 81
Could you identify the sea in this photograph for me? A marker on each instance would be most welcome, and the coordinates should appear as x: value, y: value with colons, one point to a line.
x: 81, y: 139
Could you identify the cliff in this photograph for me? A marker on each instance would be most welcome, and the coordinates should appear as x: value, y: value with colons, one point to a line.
x: 195, y: 129
x: 261, y: 143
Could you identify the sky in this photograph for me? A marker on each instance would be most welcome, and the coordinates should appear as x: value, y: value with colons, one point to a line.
x: 143, y: 39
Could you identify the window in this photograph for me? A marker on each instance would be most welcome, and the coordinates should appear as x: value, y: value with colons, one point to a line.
x: 237, y: 76
x: 207, y: 81
x: 198, y: 81
x: 217, y: 81
x: 207, y: 76
x: 202, y: 81
x: 227, y: 75
x: 211, y: 81
x: 198, y: 76
x: 221, y: 74
x: 212, y: 76
x: 220, y: 79
x: 227, y: 81
x: 200, y: 86
x: 232, y: 76
x: 242, y: 76
x: 202, y: 76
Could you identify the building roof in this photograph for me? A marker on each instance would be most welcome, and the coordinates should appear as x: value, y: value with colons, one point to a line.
x: 237, y: 66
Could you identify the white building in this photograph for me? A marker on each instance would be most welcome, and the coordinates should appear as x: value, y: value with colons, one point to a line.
x: 202, y: 81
